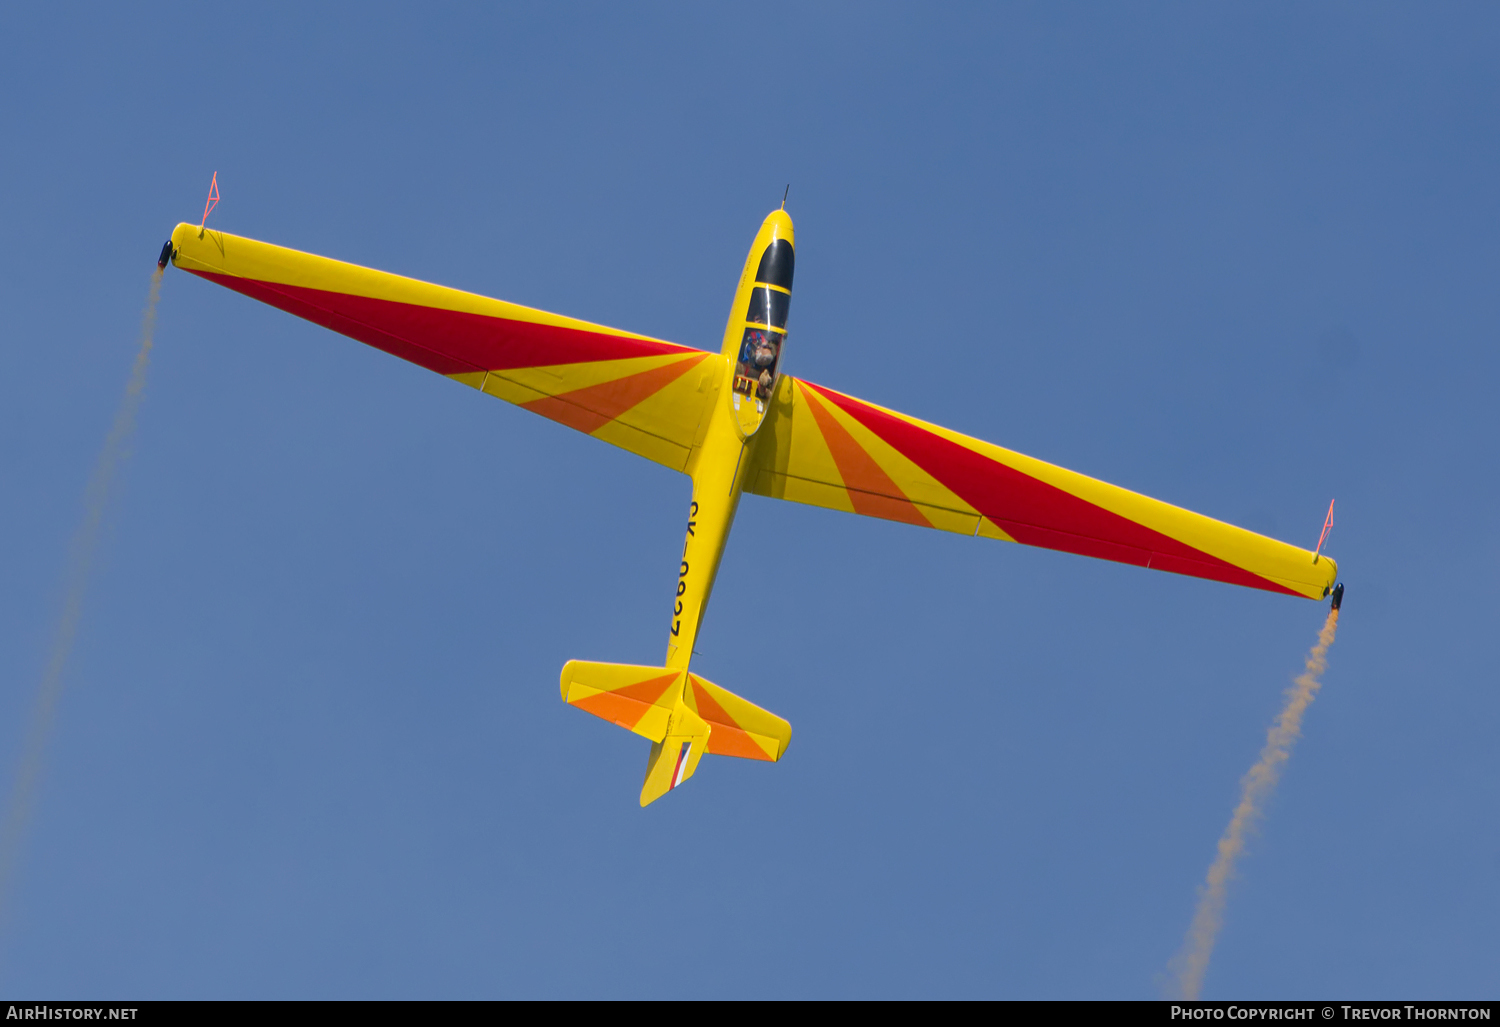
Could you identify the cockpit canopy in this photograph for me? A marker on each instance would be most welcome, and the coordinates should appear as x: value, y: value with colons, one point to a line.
x: 776, y: 265
x: 759, y: 358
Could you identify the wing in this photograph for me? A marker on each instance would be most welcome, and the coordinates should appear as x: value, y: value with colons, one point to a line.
x: 635, y: 392
x: 828, y: 449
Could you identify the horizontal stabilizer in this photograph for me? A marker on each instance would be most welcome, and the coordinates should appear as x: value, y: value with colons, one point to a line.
x: 683, y: 714
x: 740, y: 728
x: 638, y: 699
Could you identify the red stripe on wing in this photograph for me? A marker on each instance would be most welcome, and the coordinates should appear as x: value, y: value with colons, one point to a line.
x: 1038, y: 514
x: 445, y: 341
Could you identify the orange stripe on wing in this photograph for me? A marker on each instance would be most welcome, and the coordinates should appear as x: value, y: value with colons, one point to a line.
x: 591, y: 408
x: 870, y: 489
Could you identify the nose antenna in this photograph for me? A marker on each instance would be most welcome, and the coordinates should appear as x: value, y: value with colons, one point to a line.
x: 784, y: 195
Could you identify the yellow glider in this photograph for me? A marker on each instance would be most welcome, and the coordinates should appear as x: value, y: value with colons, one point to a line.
x: 734, y: 423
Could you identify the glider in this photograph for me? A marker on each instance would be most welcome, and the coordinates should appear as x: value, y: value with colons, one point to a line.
x: 734, y: 423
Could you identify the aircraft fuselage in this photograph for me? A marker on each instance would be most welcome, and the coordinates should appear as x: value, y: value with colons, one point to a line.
x: 753, y: 342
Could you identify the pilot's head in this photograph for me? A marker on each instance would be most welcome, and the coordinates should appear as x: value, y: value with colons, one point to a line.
x: 764, y: 353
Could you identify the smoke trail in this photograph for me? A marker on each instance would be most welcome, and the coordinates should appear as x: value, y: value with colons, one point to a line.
x: 1255, y: 788
x: 80, y: 562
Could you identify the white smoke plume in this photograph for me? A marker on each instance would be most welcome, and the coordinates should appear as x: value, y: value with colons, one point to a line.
x: 76, y: 580
x: 1256, y: 787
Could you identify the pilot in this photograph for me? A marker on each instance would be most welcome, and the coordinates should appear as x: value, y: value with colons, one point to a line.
x: 763, y: 360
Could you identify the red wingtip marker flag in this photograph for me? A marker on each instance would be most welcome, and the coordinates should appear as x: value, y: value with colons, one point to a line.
x: 1327, y: 526
x: 211, y: 202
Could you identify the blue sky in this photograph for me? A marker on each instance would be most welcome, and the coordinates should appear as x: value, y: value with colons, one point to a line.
x: 1241, y: 258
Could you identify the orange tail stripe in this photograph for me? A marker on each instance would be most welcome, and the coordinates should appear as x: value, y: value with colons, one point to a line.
x: 726, y: 738
x: 647, y: 691
x: 708, y: 708
x: 614, y: 708
x: 731, y: 741
x: 626, y: 706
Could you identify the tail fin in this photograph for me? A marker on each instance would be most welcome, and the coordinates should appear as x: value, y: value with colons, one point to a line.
x: 683, y: 714
x: 674, y: 758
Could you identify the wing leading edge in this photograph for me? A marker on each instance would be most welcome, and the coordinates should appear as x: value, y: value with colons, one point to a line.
x: 828, y: 449
x: 641, y: 394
